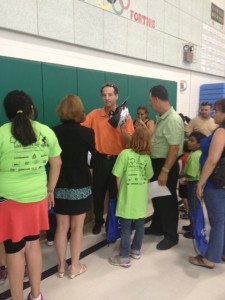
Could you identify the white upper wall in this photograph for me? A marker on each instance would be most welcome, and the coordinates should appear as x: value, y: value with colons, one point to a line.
x: 152, y: 30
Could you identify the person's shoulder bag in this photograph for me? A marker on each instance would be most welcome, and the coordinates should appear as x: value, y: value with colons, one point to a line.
x: 218, y: 175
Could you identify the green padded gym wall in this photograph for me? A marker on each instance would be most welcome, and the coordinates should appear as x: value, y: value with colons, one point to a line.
x: 48, y: 83
x: 17, y: 74
x: 57, y: 81
x: 89, y: 83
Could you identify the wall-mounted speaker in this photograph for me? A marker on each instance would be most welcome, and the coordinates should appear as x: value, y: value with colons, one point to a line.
x: 188, y: 53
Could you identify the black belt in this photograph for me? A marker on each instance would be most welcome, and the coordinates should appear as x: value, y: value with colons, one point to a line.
x: 107, y: 156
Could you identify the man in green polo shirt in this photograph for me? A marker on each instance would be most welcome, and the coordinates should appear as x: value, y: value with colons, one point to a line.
x: 167, y: 144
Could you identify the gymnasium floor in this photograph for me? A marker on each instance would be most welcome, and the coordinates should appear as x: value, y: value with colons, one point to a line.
x: 158, y: 275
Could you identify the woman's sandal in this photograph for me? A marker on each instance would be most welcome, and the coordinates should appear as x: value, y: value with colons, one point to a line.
x: 199, y: 261
x: 61, y: 274
x: 83, y: 269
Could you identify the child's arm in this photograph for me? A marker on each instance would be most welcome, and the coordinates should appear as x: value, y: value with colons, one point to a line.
x: 55, y: 166
x: 118, y: 180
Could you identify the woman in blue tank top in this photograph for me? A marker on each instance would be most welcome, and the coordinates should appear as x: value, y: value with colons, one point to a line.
x: 213, y: 148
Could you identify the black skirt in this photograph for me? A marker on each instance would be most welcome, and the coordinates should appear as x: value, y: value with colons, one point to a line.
x: 72, y: 207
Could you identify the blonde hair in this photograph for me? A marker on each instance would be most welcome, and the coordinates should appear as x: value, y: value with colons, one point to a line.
x: 140, y: 141
x: 71, y: 108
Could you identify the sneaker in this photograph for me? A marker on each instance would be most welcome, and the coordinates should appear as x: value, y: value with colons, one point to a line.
x: 182, y: 209
x: 188, y: 235
x: 136, y: 254
x: 166, y: 244
x: 29, y: 297
x: 26, y: 275
x: 120, y: 261
x: 98, y: 227
x: 186, y: 227
x: 184, y: 216
x: 3, y: 274
x: 50, y: 243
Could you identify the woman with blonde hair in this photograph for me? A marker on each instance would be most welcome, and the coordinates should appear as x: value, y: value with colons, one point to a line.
x: 73, y: 191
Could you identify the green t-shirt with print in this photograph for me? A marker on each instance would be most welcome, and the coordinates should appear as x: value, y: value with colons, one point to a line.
x: 192, y: 166
x: 134, y: 170
x: 22, y: 169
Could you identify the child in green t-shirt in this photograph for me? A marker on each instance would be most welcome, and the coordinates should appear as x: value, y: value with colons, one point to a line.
x: 133, y: 170
x: 182, y: 183
x: 192, y: 171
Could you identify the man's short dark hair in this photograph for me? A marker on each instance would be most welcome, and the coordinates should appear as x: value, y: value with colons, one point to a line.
x: 160, y: 92
x: 109, y: 84
x: 206, y: 103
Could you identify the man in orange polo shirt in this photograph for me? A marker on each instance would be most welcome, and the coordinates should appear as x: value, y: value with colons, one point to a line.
x: 109, y: 142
